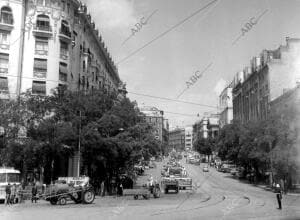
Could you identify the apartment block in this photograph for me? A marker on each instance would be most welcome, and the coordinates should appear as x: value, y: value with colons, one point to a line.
x: 207, y: 127
x: 45, y: 44
x: 269, y: 76
x: 226, y: 107
x: 177, y: 139
x: 154, y: 117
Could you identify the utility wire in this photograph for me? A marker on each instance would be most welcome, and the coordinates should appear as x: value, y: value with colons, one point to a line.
x: 167, y: 31
x: 174, y: 100
x: 176, y: 113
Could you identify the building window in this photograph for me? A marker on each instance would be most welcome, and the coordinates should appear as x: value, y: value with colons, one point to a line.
x: 41, y: 46
x: 39, y: 87
x: 43, y: 23
x: 63, y: 5
x: 47, y: 3
x: 55, y: 3
x: 64, y: 50
x: 3, y: 85
x: 40, y: 2
x: 65, y: 29
x: 63, y: 72
x: 4, y: 62
x: 68, y: 8
x: 4, y: 38
x: 83, y: 66
x: 6, y: 15
x: 40, y: 68
x: 61, y: 89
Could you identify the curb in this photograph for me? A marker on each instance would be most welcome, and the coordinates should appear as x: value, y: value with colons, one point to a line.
x: 293, y: 194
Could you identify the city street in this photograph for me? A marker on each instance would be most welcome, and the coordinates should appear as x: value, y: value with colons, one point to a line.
x: 215, y: 196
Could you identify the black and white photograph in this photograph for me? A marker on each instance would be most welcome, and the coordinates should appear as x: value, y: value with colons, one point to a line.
x: 149, y: 109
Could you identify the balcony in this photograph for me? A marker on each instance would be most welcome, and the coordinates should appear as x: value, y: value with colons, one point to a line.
x: 85, y: 52
x: 41, y: 52
x: 42, y: 31
x: 40, y: 74
x: 4, y: 94
x: 64, y: 54
x: 65, y: 35
x: 6, y: 23
x: 3, y: 70
x: 4, y: 46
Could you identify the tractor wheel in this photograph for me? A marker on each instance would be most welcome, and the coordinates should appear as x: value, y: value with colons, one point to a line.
x: 88, y: 196
x: 62, y: 200
x: 135, y: 197
x: 76, y: 197
x: 53, y: 201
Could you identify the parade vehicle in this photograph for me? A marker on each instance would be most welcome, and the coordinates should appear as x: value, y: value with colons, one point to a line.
x: 145, y: 191
x: 170, y: 183
x: 11, y: 176
x: 65, y: 189
x: 180, y: 174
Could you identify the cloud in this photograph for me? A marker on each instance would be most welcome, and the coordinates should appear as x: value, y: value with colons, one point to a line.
x: 112, y: 14
x: 220, y: 86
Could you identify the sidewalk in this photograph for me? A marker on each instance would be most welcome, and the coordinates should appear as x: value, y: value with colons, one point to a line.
x: 295, y: 192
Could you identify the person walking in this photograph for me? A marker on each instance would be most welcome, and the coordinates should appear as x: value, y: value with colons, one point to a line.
x: 102, y: 188
x: 20, y: 193
x: 278, y: 195
x: 8, y: 193
x: 13, y: 193
x: 34, y: 193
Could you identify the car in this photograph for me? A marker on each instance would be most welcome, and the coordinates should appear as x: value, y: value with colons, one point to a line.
x: 225, y: 168
x: 234, y: 171
x: 205, y: 168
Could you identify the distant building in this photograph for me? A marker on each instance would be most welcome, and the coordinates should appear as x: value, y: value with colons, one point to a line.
x: 154, y: 117
x: 226, y: 109
x: 188, y: 133
x: 271, y: 74
x: 207, y: 127
x: 177, y: 139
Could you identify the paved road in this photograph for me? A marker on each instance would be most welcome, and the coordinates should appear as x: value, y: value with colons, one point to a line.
x: 214, y: 196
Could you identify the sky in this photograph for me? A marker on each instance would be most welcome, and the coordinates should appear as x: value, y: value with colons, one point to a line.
x: 204, y: 41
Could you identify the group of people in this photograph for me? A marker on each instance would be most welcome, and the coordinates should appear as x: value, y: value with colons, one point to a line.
x: 14, y: 194
x: 11, y: 194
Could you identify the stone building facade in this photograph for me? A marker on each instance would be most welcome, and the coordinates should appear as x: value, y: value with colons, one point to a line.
x: 226, y: 108
x: 46, y: 44
x: 271, y: 74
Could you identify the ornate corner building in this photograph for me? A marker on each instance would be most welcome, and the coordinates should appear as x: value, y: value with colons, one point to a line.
x: 45, y: 44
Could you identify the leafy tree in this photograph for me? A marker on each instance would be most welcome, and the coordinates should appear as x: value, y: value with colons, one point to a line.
x: 205, y: 146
